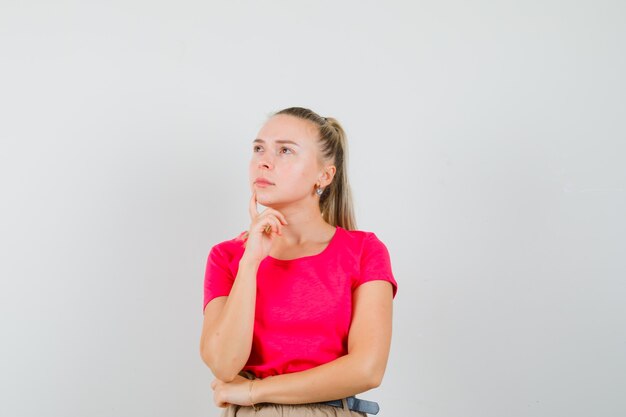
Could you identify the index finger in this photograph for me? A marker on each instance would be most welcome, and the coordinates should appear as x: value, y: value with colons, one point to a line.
x: 252, y: 209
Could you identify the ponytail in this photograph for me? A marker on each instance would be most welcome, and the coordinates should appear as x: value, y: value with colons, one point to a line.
x: 336, y: 199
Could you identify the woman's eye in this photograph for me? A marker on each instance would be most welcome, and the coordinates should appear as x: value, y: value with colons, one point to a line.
x: 282, y: 149
x: 254, y: 148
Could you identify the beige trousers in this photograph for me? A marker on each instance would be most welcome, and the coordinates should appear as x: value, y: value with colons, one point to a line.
x: 289, y: 410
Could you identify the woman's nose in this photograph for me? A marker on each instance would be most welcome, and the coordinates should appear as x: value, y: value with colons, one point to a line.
x: 265, y: 162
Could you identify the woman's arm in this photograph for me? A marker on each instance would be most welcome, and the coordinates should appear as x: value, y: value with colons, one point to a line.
x: 361, y: 369
x: 226, y: 340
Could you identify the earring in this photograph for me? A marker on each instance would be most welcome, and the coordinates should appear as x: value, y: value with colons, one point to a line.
x: 319, y: 191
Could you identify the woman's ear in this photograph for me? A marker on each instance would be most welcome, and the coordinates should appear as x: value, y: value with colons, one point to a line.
x: 327, y: 175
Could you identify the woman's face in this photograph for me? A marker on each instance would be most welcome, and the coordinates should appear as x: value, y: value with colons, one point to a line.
x: 285, y: 153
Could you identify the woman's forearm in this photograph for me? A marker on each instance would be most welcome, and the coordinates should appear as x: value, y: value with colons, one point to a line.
x: 230, y: 343
x: 342, y: 377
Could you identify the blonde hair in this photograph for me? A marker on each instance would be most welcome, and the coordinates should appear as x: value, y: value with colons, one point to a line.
x: 336, y: 200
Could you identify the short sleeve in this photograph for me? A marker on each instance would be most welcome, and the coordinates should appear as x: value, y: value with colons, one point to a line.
x: 375, y: 263
x: 218, y: 279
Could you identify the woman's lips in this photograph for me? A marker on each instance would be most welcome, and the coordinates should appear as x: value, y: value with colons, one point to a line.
x: 262, y: 183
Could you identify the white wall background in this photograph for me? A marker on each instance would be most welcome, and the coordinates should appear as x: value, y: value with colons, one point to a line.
x: 487, y: 150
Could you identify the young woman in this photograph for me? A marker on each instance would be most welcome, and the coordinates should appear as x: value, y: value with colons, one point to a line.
x: 298, y: 308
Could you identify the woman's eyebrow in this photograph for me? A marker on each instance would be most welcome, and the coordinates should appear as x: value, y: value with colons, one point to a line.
x: 277, y: 141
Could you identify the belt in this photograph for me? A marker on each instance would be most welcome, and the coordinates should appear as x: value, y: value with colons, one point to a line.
x: 355, y: 404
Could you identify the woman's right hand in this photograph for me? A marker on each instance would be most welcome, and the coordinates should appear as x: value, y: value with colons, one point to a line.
x: 259, y: 240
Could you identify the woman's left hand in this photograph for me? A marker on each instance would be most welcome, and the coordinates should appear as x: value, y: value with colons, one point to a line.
x: 235, y: 392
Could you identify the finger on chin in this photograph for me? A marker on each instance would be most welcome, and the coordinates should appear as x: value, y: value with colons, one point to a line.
x: 252, y: 208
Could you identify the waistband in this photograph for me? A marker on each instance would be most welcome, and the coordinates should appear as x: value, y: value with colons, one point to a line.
x: 354, y: 403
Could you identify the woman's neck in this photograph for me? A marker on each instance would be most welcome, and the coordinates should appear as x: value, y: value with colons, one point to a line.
x: 305, y: 225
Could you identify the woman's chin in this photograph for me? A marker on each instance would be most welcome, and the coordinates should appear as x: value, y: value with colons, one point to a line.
x: 263, y: 200
x: 269, y: 202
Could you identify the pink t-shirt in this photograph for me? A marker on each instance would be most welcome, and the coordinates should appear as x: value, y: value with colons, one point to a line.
x: 304, y: 305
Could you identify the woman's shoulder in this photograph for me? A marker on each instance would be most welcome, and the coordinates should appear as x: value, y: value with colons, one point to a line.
x: 361, y: 238
x: 359, y: 235
x: 232, y: 245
